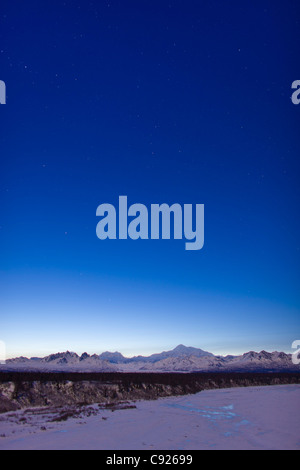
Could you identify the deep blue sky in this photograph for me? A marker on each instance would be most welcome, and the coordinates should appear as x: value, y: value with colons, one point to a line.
x: 162, y: 101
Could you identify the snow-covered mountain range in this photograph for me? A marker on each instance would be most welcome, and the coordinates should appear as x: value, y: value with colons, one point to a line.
x: 179, y: 359
x: 179, y: 352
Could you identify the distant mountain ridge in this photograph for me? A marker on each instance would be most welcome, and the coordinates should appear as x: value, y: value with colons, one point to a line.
x: 179, y: 351
x: 179, y: 359
x: 65, y: 361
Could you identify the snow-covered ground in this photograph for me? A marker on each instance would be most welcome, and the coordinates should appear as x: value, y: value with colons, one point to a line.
x: 237, y: 418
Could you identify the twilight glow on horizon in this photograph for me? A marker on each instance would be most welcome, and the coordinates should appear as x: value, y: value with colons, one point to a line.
x: 185, y: 103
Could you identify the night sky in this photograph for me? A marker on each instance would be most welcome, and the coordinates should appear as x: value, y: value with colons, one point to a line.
x: 173, y: 101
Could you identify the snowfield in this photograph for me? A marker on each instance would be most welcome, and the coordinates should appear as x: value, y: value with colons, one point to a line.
x: 238, y: 418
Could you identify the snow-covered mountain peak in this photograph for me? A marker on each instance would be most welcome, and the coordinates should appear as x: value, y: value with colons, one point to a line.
x: 180, y: 359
